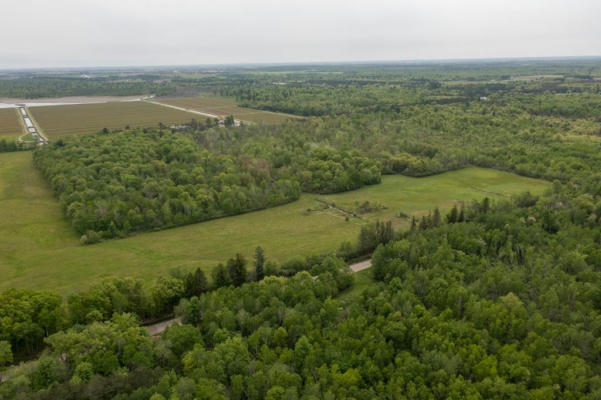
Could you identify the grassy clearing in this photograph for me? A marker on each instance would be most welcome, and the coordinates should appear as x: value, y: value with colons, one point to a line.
x: 40, y: 250
x: 57, y: 121
x: 222, y: 107
x: 9, y: 123
x: 417, y: 196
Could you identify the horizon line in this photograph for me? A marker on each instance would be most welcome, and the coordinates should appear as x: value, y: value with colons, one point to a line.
x: 310, y: 63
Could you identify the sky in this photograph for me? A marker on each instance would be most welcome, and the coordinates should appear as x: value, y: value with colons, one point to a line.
x: 85, y: 33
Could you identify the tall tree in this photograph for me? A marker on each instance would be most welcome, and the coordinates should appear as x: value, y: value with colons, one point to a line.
x: 453, y: 215
x: 259, y: 263
x: 6, y: 355
x: 436, y: 218
x: 384, y: 232
x: 196, y: 283
x: 237, y: 269
x: 485, y: 205
x: 220, y: 276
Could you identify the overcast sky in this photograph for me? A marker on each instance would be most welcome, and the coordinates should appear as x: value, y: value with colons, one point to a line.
x: 62, y: 33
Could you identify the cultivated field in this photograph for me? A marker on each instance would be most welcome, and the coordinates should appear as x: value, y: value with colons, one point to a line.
x: 59, y: 121
x: 9, y: 123
x: 40, y: 250
x: 222, y: 107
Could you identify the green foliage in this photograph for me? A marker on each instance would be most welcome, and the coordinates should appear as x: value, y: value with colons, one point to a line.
x: 25, y: 87
x: 195, y: 283
x: 236, y: 267
x: 26, y: 317
x: 112, y: 295
x: 221, y: 276
x: 259, y: 263
x: 293, y: 265
x: 104, y: 347
x: 118, y: 184
x: 166, y: 293
x: 6, y: 354
x: 494, y: 300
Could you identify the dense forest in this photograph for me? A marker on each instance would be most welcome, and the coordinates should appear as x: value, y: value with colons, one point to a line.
x: 503, y: 303
x: 492, y: 300
x: 33, y: 87
x: 114, y: 184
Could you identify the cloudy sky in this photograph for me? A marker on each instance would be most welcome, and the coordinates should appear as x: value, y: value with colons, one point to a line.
x: 60, y: 33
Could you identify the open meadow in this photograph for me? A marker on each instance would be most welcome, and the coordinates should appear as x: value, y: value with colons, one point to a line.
x: 9, y: 123
x: 223, y: 106
x: 39, y: 249
x: 57, y: 121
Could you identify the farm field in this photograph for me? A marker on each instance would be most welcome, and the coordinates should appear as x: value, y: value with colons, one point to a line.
x: 224, y: 106
x: 40, y: 250
x: 57, y: 121
x: 9, y: 123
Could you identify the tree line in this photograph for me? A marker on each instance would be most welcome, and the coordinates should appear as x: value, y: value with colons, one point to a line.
x: 501, y: 303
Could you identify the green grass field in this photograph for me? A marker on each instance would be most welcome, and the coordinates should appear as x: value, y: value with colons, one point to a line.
x: 40, y: 250
x: 57, y: 121
x: 223, y: 106
x: 417, y: 196
x: 10, y: 127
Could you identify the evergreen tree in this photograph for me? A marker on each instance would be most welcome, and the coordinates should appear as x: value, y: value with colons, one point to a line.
x: 485, y: 205
x: 259, y: 263
x: 367, y: 239
x: 237, y: 269
x: 384, y: 232
x: 196, y: 283
x: 229, y: 120
x: 436, y: 218
x: 220, y: 276
x: 453, y: 215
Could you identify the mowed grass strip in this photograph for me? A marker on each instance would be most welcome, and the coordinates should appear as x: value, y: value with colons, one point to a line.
x: 57, y: 121
x: 40, y: 250
x: 223, y: 106
x: 9, y: 123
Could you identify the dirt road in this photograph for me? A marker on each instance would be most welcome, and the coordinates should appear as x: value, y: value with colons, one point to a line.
x: 360, y: 266
x: 189, y: 110
x: 158, y: 328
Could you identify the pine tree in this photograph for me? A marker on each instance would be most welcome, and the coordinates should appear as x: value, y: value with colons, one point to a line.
x: 237, y: 269
x: 485, y: 205
x: 384, y: 232
x: 259, y: 263
x: 436, y: 218
x: 452, y: 216
x: 220, y: 276
x: 196, y: 283
x: 367, y: 239
x: 461, y: 216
